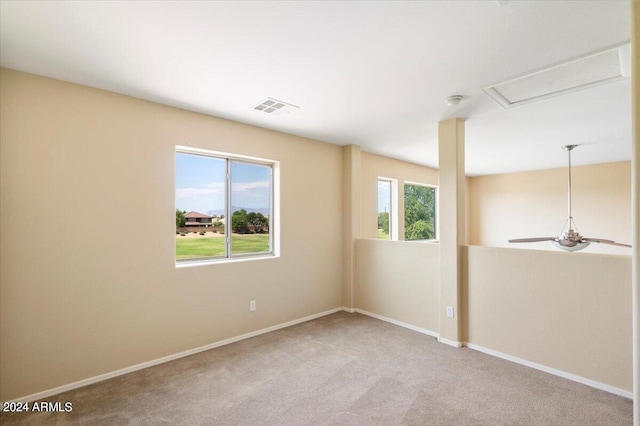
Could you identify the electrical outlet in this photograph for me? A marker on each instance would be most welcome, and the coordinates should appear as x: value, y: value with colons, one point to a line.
x: 450, y: 312
x: 252, y: 305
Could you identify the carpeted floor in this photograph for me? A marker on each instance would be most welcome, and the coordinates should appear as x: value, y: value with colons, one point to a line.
x: 343, y: 369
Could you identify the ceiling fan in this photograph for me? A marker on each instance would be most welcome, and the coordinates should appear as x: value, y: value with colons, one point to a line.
x: 569, y: 239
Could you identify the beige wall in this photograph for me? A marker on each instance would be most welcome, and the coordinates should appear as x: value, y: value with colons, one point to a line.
x: 572, y: 314
x: 83, y: 293
x: 396, y: 279
x: 375, y: 166
x: 568, y: 311
x: 635, y: 120
x: 532, y: 204
x: 399, y: 280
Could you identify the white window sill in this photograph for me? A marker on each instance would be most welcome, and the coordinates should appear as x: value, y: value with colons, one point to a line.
x: 204, y: 262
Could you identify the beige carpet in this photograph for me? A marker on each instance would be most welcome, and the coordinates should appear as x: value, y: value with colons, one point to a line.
x: 343, y: 369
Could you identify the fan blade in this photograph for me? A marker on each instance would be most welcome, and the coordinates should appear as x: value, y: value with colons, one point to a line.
x: 603, y: 241
x: 532, y: 240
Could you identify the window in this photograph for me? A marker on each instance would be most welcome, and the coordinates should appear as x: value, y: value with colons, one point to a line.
x: 224, y: 206
x: 384, y: 209
x: 419, y: 212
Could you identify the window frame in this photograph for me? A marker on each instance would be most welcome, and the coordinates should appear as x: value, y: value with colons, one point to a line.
x: 227, y: 229
x: 435, y: 212
x: 274, y: 223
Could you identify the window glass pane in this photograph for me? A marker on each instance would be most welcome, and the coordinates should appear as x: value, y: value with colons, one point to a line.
x: 384, y: 209
x: 200, y: 204
x: 419, y: 212
x: 250, y: 207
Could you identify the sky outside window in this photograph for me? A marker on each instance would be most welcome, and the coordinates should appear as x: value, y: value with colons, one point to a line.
x: 200, y: 185
x: 384, y: 196
x: 250, y: 187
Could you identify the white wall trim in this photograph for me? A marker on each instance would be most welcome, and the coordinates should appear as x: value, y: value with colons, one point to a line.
x: 453, y: 343
x: 559, y: 373
x: 399, y: 323
x: 101, y: 377
x: 350, y: 310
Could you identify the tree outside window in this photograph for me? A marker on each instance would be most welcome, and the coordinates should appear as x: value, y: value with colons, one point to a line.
x: 419, y: 212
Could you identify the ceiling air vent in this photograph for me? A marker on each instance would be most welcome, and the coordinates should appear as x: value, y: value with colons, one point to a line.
x: 275, y: 107
x: 576, y: 74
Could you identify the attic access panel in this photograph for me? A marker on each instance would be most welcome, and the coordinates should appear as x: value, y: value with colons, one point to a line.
x: 591, y: 70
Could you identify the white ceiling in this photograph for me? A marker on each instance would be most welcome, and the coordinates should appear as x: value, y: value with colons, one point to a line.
x: 373, y: 74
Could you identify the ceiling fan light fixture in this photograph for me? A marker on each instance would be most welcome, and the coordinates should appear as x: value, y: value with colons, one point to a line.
x: 576, y: 247
x: 569, y: 240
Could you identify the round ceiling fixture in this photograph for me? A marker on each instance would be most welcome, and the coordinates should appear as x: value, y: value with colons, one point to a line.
x: 453, y: 100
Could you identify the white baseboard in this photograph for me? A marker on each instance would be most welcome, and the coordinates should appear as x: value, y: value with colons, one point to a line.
x: 101, y: 377
x: 91, y: 380
x: 453, y: 343
x: 594, y: 384
x: 559, y: 373
x: 399, y: 323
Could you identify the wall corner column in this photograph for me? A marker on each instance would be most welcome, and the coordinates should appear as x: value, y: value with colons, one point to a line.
x: 352, y: 160
x: 635, y: 202
x: 451, y: 215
